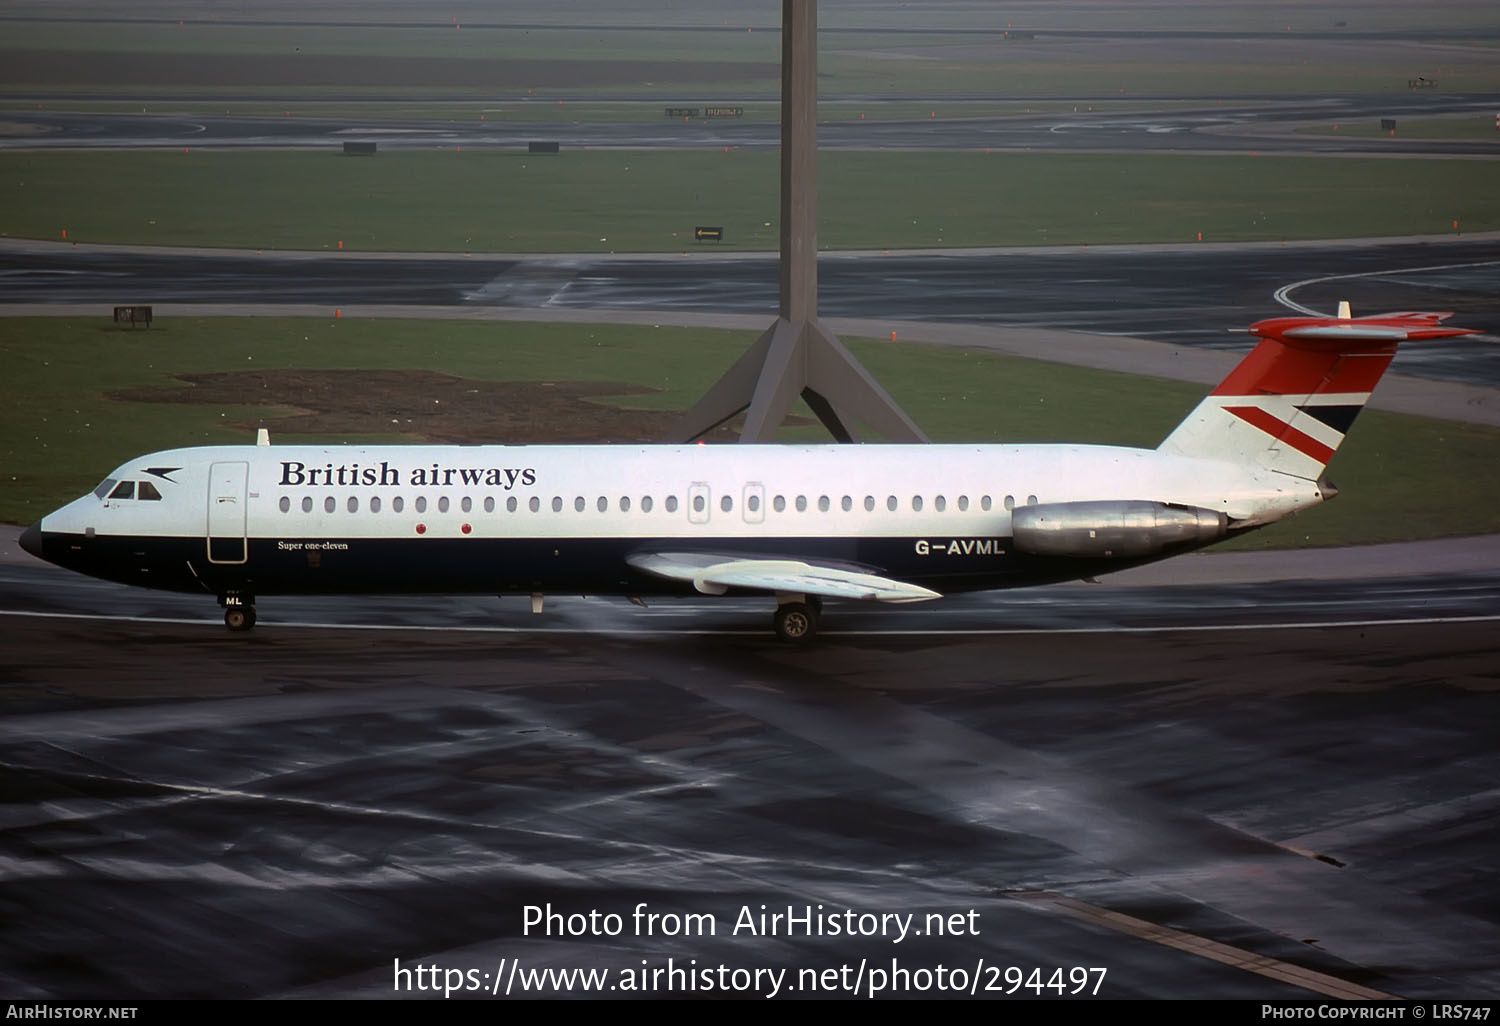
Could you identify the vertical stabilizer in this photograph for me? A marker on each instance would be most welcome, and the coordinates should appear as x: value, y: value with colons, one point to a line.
x: 1288, y: 405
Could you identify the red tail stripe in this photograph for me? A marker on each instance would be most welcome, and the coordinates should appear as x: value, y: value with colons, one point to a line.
x: 1276, y: 368
x: 1282, y: 431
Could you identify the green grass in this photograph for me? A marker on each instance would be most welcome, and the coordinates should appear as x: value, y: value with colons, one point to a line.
x: 1047, y: 70
x: 1037, y: 75
x: 569, y: 112
x: 853, y: 61
x: 649, y: 201
x: 1402, y: 477
x: 445, y: 41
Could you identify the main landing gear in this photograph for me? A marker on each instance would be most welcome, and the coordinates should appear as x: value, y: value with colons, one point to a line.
x: 239, y: 611
x: 797, y: 621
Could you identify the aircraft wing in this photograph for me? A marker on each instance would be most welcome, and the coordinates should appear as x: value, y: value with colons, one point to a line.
x: 714, y: 574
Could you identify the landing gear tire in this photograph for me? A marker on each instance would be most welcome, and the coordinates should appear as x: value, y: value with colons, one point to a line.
x: 795, y: 622
x: 239, y: 618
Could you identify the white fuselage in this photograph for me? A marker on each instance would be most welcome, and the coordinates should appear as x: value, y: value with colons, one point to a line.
x: 252, y: 516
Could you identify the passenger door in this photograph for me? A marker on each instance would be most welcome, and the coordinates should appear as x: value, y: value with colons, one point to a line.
x: 226, y: 512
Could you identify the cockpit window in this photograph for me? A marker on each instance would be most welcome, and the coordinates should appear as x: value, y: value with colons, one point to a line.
x: 147, y: 490
x: 123, y: 490
x: 104, y: 488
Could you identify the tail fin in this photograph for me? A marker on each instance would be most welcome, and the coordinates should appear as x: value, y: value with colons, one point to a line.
x: 1288, y: 405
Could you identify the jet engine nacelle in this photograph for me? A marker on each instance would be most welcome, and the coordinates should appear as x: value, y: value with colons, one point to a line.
x: 1113, y: 530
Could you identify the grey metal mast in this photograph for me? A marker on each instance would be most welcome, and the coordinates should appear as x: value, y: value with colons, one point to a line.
x: 798, y: 355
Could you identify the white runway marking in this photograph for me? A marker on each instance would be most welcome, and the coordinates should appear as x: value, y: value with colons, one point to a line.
x: 753, y: 632
x: 1194, y: 944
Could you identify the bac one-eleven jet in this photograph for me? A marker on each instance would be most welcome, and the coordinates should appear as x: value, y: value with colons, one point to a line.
x: 889, y: 523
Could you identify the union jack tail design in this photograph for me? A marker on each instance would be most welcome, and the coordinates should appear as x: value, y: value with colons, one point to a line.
x: 1288, y: 405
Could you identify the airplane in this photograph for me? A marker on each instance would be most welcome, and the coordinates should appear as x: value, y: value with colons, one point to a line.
x: 888, y: 523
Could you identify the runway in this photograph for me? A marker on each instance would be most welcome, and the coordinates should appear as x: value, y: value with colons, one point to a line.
x: 1245, y: 124
x: 1365, y: 597
x: 193, y: 813
x: 1177, y: 294
x: 1197, y: 296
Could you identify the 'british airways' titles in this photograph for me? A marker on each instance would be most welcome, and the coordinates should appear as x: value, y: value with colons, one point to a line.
x: 295, y: 473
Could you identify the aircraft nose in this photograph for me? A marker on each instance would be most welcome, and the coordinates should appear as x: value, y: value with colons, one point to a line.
x: 31, y: 540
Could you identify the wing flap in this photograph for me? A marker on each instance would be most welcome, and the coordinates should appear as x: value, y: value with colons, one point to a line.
x: 714, y: 574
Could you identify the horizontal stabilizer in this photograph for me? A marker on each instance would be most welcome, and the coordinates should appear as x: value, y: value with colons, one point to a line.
x: 714, y: 574
x: 1288, y: 405
x: 1396, y: 327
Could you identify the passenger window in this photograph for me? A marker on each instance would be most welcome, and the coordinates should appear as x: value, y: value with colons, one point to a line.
x: 147, y: 490
x: 940, y: 503
x: 307, y: 503
x: 869, y: 504
x: 467, y: 504
x: 510, y: 504
x: 671, y: 504
x: 624, y: 504
x: 578, y: 504
x: 489, y: 504
x: 822, y: 504
x: 102, y: 492
x: 421, y: 504
x: 698, y: 504
x: 1031, y: 500
x: 123, y: 490
x: 891, y: 503
x: 443, y: 504
x: 374, y: 504
x: 779, y: 504
x: 603, y: 504
x: 984, y: 503
x: 397, y: 504
x: 1010, y: 502
x: 963, y: 503
x: 847, y: 504
x: 646, y: 504
x: 754, y: 503
x: 535, y: 504
x: 801, y: 504
x: 353, y: 504
x: 330, y: 504
x: 916, y: 504
x: 726, y: 504
x: 286, y: 504
x: 557, y: 503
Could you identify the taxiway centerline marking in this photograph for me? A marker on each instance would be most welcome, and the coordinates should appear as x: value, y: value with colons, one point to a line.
x: 1283, y: 294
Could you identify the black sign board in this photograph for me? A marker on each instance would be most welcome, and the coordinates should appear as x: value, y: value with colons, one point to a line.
x: 133, y: 315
